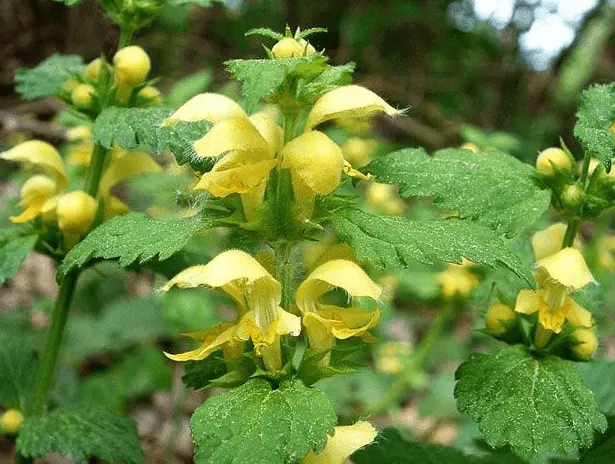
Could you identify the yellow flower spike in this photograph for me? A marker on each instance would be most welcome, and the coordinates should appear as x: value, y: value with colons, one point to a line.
x: 549, y: 241
x: 76, y: 212
x: 41, y: 155
x: 257, y: 294
x: 323, y: 322
x: 585, y: 343
x: 230, y: 135
x: 34, y: 193
x: 565, y: 268
x: 125, y: 167
x: 211, y: 107
x: 344, y: 442
x: 350, y: 101
x: 316, y: 164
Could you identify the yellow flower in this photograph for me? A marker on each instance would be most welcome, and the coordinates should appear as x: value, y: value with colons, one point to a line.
x: 327, y: 249
x: 130, y: 67
x: 289, y: 47
x: 606, y: 246
x: 497, y: 318
x: 392, y: 356
x: 549, y: 241
x: 557, y: 275
x: 457, y: 280
x: 350, y: 101
x: 257, y: 295
x: 245, y: 148
x: 585, y: 343
x: 470, y: 146
x: 384, y: 197
x: 45, y: 195
x: 11, y: 421
x: 357, y: 150
x: 344, y: 442
x: 324, y: 322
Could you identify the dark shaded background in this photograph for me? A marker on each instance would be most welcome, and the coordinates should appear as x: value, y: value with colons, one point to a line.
x: 411, y: 52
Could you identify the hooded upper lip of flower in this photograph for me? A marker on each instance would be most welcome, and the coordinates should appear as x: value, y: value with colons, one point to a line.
x: 328, y: 321
x: 558, y: 275
x: 343, y: 443
x: 45, y: 157
x: 256, y: 293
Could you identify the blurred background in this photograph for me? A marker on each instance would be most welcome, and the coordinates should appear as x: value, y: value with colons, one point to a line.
x: 513, y: 67
x: 502, y: 73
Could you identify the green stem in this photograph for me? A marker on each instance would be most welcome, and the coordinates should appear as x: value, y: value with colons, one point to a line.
x: 585, y: 170
x: 125, y: 37
x: 92, y: 181
x: 46, y: 370
x: 574, y: 224
x: 401, y: 384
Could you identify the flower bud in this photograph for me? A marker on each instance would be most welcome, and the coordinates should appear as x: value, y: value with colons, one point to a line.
x: 150, y: 95
x: 572, y: 195
x: 307, y: 47
x: 92, y: 70
x: 82, y: 96
x: 552, y: 158
x: 356, y: 150
x: 131, y: 65
x: 76, y: 211
x: 288, y: 48
x: 69, y: 84
x: 11, y: 421
x: 497, y: 317
x: 585, y: 343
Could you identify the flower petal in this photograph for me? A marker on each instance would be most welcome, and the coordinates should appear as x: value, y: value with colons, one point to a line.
x: 269, y: 130
x: 232, y: 271
x: 549, y: 241
x: 566, y: 267
x: 237, y: 172
x: 578, y: 315
x: 231, y: 135
x: 336, y: 273
x: 528, y: 301
x: 211, y: 107
x: 316, y: 159
x: 126, y: 167
x: 213, y: 340
x: 350, y: 101
x: 42, y: 155
x: 345, y: 441
x: 346, y: 322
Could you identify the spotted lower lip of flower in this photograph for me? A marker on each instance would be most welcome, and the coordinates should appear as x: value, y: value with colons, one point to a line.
x: 256, y: 293
x: 210, y: 107
x: 344, y: 442
x: 324, y: 322
x: 552, y: 318
x: 350, y: 101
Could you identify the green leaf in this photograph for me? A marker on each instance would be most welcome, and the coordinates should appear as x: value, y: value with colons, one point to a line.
x: 261, y: 78
x: 535, y: 405
x: 603, y: 451
x: 492, y: 188
x: 256, y: 424
x: 199, y: 374
x: 15, y: 246
x: 18, y: 364
x: 594, y: 118
x: 396, y: 241
x: 599, y: 376
x: 391, y: 446
x: 140, y: 128
x: 138, y: 374
x: 45, y: 79
x: 69, y: 2
x: 122, y: 324
x: 187, y: 87
x: 265, y: 32
x: 330, y: 78
x: 81, y: 434
x: 134, y: 237
x: 312, y: 369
